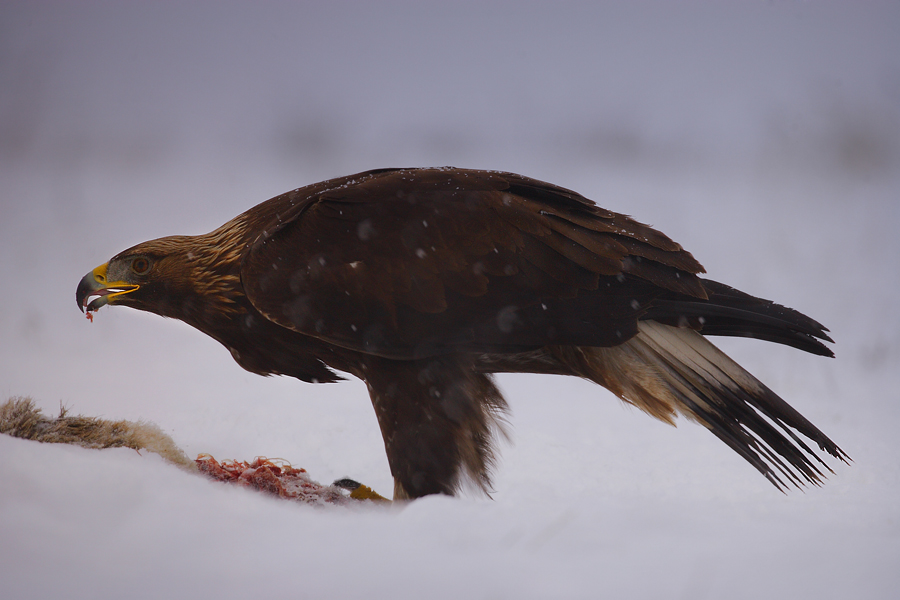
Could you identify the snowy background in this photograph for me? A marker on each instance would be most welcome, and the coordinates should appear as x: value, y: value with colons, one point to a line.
x: 763, y: 136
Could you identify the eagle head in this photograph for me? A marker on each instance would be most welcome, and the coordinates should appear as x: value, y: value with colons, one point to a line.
x: 181, y: 277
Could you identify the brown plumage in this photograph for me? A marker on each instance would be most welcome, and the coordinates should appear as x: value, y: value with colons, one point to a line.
x: 424, y: 282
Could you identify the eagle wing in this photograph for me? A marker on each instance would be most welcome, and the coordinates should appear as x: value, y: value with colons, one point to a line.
x: 409, y: 263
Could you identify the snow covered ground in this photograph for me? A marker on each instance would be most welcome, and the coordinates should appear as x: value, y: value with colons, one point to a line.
x: 765, y: 137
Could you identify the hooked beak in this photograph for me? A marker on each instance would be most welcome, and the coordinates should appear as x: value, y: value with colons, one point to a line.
x: 94, y: 290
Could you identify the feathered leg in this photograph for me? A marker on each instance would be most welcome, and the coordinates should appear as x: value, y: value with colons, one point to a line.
x: 438, y: 418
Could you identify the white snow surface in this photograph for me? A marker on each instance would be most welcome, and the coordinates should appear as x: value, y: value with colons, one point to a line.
x: 764, y: 137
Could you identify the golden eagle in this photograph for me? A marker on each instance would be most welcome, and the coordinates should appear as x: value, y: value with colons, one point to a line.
x: 425, y: 282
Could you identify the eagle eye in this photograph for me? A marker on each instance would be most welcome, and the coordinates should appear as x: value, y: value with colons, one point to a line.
x: 140, y: 265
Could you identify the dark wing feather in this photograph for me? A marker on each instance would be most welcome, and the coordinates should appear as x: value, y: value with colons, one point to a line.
x: 730, y: 312
x: 412, y: 262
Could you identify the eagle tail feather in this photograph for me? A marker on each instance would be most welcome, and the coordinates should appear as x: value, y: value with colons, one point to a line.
x: 666, y: 370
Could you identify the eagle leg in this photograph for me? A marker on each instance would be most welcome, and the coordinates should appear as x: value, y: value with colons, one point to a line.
x: 439, y: 418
